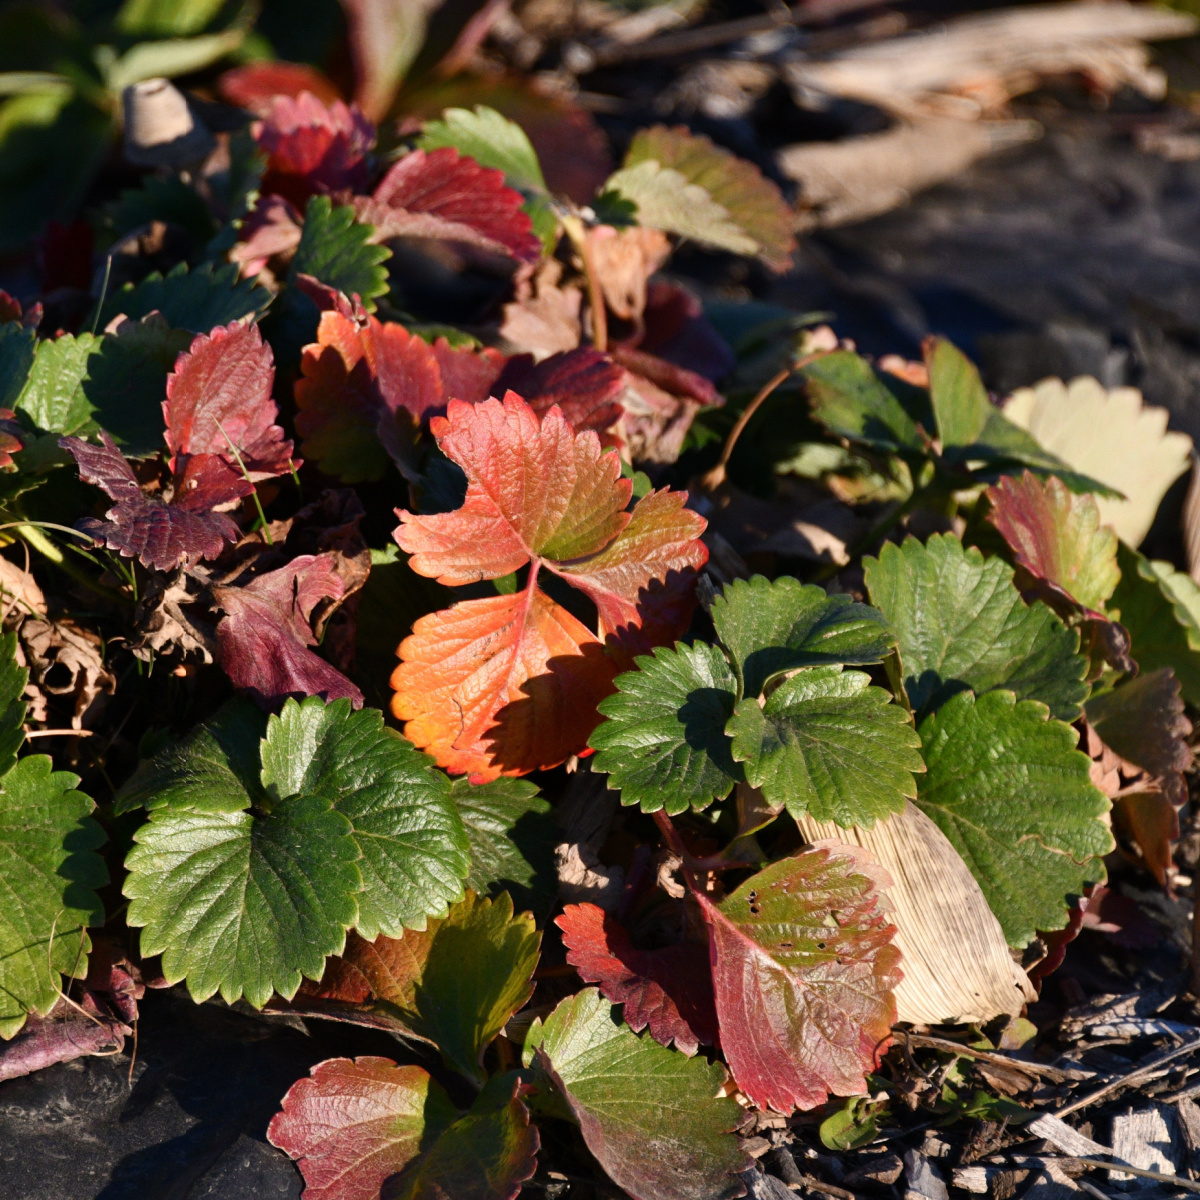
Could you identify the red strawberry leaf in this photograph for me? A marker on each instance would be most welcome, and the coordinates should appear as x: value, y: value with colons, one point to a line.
x: 313, y: 148
x: 219, y: 403
x: 441, y: 194
x: 273, y: 227
x: 669, y: 989
x: 584, y: 383
x: 160, y: 535
x: 264, y: 638
x: 256, y: 85
x: 803, y: 971
x: 353, y: 1124
x: 509, y: 684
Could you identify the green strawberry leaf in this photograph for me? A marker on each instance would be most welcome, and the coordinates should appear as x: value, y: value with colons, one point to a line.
x: 651, y: 1116
x: 961, y: 623
x: 828, y: 744
x: 512, y: 838
x: 197, y: 300
x: 49, y: 870
x: 664, y: 743
x: 1008, y: 787
x: 853, y: 400
x: 772, y: 627
x: 337, y: 250
x: 12, y: 703
x: 18, y: 349
x: 53, y: 398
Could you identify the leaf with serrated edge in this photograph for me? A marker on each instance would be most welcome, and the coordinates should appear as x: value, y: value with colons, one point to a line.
x: 456, y: 983
x: 53, y: 398
x: 512, y: 837
x: 197, y: 300
x: 1112, y: 436
x: 668, y: 989
x: 961, y: 623
x: 854, y: 401
x: 13, y: 679
x: 769, y: 627
x: 49, y: 870
x: 651, y: 1116
x: 356, y: 1125
x: 1006, y: 784
x: 753, y: 202
x: 337, y: 250
x: 827, y: 743
x: 664, y: 743
x: 1057, y: 537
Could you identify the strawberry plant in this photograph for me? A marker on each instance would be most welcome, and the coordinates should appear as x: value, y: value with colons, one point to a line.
x: 425, y: 678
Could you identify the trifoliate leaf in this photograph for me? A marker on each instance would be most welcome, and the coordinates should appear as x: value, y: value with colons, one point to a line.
x: 753, y: 202
x: 413, y: 846
x: 828, y: 744
x: 496, y: 142
x: 337, y: 250
x: 512, y: 838
x: 13, y: 679
x: 651, y: 1116
x: 196, y: 300
x: 1057, y: 537
x: 961, y: 623
x: 803, y: 972
x: 664, y: 743
x: 49, y: 870
x: 1160, y: 607
x: 769, y: 627
x: 454, y: 984
x: 1010, y: 790
x: 1111, y: 436
x: 355, y: 1124
x: 853, y: 400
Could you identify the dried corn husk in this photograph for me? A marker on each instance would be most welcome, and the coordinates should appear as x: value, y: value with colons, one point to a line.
x: 956, y: 964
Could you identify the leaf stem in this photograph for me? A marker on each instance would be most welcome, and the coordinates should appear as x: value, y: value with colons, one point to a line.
x: 262, y: 516
x: 574, y: 229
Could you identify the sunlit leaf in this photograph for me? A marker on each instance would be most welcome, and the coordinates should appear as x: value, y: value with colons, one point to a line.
x: 337, y: 249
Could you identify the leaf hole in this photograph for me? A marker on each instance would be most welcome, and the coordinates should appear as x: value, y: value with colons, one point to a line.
x: 755, y: 907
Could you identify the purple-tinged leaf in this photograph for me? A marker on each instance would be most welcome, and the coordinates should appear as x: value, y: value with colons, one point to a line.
x: 584, y: 383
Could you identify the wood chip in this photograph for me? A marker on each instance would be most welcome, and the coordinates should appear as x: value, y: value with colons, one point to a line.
x: 922, y: 1180
x: 1145, y: 1138
x: 1063, y: 1137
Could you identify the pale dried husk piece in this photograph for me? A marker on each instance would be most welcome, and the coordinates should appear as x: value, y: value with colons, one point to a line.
x: 956, y: 964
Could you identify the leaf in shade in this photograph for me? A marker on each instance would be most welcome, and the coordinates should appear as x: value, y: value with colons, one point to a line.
x: 264, y: 638
x: 312, y: 147
x: 512, y: 837
x: 48, y: 846
x: 769, y: 627
x: 678, y: 332
x: 197, y: 300
x: 356, y: 1126
x: 669, y: 989
x: 675, y: 380
x: 827, y: 743
x: 804, y: 997
x: 653, y: 1117
x: 1057, y: 537
x: 1112, y: 436
x: 441, y: 194
x: 853, y: 400
x: 503, y: 668
x: 664, y: 743
x: 273, y: 227
x: 584, y: 383
x: 18, y: 349
x: 961, y: 623
x: 454, y: 984
x: 160, y: 535
x: 13, y: 679
x: 337, y: 249
x: 219, y: 403
x: 753, y: 202
x: 1010, y: 790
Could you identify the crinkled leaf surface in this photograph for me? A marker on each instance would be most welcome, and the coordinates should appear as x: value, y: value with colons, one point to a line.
x: 13, y: 679
x: 455, y: 983
x: 1110, y: 435
x: 1057, y: 537
x: 753, y: 202
x: 650, y: 1115
x: 508, y: 684
x: 854, y: 401
x: 668, y: 989
x: 442, y: 194
x: 354, y: 1125
x: 1008, y: 787
x: 512, y: 837
x: 584, y: 383
x: 197, y: 300
x: 337, y: 249
x: 664, y: 744
x: 49, y: 870
x: 769, y: 627
x: 803, y: 972
x: 961, y: 623
x: 827, y: 743
x: 261, y: 851
x: 53, y: 397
